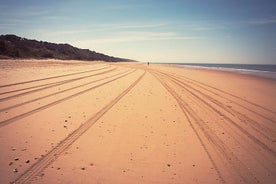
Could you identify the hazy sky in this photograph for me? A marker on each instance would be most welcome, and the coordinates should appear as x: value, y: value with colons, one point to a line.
x: 222, y: 31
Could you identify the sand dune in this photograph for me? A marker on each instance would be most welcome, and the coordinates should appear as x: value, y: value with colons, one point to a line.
x: 96, y: 122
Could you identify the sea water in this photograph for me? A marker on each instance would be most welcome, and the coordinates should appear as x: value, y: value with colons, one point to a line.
x: 266, y: 71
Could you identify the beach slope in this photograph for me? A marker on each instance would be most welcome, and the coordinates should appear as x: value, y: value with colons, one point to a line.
x: 97, y: 122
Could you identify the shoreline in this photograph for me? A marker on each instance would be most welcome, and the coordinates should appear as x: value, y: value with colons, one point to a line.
x: 227, y: 68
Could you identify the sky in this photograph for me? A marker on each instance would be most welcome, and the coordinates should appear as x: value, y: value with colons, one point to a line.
x: 193, y: 31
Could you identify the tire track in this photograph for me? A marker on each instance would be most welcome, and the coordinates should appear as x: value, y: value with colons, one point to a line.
x: 179, y: 101
x: 240, y: 128
x: 243, y: 118
x: 265, y: 161
x: 231, y: 111
x: 237, y: 97
x: 42, y: 85
x: 59, y: 92
x: 54, y: 85
x: 23, y: 115
x: 53, y: 77
x: 263, y: 130
x: 23, y: 89
x: 30, y: 174
x: 201, y: 85
x: 240, y: 169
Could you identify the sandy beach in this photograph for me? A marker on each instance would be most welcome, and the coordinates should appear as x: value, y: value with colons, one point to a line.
x: 121, y: 123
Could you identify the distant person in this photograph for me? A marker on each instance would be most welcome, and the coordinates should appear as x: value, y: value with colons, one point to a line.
x: 148, y: 63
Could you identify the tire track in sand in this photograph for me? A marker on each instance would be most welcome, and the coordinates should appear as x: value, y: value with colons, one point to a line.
x: 252, y: 144
x: 53, y: 77
x: 53, y: 85
x: 42, y: 85
x: 59, y: 92
x: 225, y: 108
x: 23, y: 115
x: 232, y: 95
x: 223, y: 95
x: 225, y: 153
x: 34, y: 171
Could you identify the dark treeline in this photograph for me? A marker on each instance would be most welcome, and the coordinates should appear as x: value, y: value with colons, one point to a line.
x: 12, y: 46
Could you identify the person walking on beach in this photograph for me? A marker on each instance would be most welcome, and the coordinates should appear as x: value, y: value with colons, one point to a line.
x: 148, y: 63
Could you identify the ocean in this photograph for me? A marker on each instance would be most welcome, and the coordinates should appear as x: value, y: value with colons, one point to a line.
x: 266, y: 71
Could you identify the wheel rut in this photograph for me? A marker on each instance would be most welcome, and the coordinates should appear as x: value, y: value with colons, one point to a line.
x: 234, y: 164
x: 56, y: 93
x: 47, y: 86
x: 232, y: 112
x: 229, y: 94
x: 37, y: 168
x: 23, y: 115
x: 53, y: 77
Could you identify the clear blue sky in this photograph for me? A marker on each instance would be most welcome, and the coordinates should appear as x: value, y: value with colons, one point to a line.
x: 221, y: 31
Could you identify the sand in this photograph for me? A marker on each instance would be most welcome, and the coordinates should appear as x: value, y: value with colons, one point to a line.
x: 96, y: 122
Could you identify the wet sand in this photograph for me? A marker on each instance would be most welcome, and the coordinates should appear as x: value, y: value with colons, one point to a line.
x: 96, y: 122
